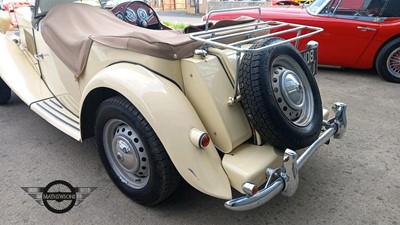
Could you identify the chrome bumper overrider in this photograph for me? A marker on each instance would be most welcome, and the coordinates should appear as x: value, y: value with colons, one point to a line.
x: 285, y: 178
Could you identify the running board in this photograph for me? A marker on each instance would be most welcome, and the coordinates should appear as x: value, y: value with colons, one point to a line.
x: 57, y: 115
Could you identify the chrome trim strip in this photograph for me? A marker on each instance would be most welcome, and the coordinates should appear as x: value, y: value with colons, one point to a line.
x: 59, y: 112
x: 366, y: 28
x: 56, y: 103
x: 40, y: 104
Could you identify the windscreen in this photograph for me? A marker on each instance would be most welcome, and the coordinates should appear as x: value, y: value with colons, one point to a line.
x: 42, y: 7
x: 316, y: 5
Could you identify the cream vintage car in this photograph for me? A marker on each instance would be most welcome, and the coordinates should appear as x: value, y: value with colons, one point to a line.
x: 223, y: 105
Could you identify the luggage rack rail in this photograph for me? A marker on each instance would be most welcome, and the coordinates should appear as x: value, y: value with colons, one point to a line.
x: 252, y: 32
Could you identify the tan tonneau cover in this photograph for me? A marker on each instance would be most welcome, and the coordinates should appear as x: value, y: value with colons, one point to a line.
x: 70, y: 29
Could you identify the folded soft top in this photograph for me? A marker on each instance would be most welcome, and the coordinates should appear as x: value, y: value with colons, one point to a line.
x: 70, y: 29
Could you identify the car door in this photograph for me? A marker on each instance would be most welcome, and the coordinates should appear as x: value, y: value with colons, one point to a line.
x: 58, y: 78
x: 348, y: 30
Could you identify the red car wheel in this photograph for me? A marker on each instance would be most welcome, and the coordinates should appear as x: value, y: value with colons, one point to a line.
x: 388, y: 61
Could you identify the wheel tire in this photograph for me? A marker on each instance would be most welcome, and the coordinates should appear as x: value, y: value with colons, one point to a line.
x: 388, y: 61
x: 269, y: 110
x: 5, y: 92
x: 132, y: 154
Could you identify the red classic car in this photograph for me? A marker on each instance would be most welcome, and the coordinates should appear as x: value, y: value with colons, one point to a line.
x: 360, y: 34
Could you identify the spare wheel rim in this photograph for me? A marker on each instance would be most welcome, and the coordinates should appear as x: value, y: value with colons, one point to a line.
x: 292, y: 90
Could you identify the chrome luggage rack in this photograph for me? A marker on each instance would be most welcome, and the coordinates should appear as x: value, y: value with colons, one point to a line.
x: 254, y: 31
x: 238, y: 37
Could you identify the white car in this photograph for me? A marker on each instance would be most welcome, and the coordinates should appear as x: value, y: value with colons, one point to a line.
x: 223, y: 108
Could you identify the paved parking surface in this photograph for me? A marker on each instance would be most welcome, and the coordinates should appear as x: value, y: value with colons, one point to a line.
x: 352, y: 181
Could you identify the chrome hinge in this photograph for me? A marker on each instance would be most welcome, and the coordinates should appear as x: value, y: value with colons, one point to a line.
x: 233, y: 100
x: 201, y: 52
x: 39, y: 57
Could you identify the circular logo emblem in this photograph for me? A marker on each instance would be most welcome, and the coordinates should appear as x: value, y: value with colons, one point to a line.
x: 59, y: 196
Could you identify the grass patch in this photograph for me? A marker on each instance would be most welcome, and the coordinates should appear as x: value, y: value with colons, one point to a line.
x: 175, y: 26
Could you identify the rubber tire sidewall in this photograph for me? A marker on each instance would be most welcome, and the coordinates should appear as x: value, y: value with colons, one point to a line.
x: 381, y: 59
x: 151, y: 193
x: 285, y: 133
x: 5, y: 92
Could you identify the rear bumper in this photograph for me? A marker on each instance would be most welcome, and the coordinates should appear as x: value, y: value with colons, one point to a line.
x: 285, y: 179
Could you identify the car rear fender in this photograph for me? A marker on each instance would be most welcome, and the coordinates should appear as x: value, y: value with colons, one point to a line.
x: 172, y: 117
x: 382, y: 44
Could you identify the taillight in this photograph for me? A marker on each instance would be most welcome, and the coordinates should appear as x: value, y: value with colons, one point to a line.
x: 199, y: 138
x: 204, y: 140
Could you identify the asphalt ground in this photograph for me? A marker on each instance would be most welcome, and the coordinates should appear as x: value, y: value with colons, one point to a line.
x: 351, y: 181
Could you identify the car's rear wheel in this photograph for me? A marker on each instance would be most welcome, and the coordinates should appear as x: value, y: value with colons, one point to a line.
x: 388, y: 61
x: 132, y: 153
x: 280, y: 96
x: 5, y: 92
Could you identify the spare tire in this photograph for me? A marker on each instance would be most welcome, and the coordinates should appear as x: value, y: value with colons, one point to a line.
x: 280, y: 96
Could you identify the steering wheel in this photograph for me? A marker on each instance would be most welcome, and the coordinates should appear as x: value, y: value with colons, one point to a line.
x: 138, y: 13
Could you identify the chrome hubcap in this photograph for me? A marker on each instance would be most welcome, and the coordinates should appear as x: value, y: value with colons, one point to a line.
x: 393, y: 63
x: 126, y: 153
x: 292, y: 90
x: 126, y: 157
